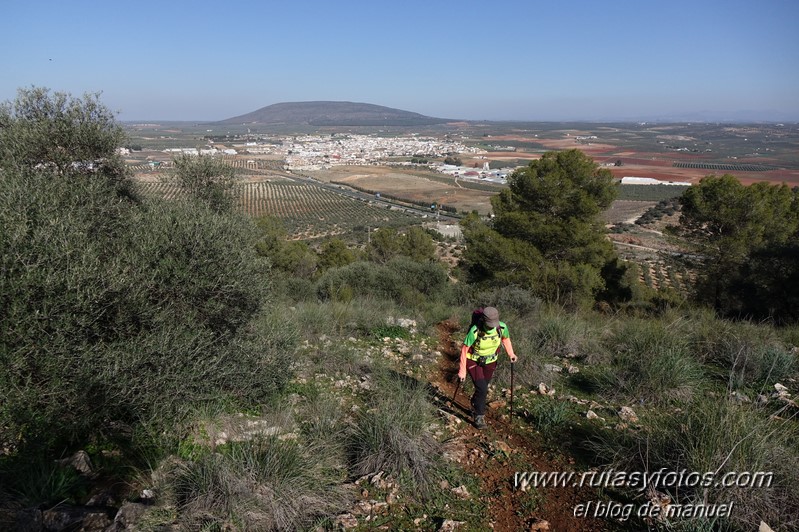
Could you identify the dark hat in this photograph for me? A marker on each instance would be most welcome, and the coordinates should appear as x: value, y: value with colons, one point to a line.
x: 491, y: 317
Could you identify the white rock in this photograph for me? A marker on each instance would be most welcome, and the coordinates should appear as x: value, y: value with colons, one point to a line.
x: 739, y: 397
x: 346, y: 521
x: 628, y: 414
x: 461, y: 492
x: 450, y: 526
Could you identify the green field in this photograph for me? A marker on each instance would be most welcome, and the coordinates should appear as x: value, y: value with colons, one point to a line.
x: 308, y: 211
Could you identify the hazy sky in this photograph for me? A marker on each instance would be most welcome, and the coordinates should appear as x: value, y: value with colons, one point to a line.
x: 492, y: 60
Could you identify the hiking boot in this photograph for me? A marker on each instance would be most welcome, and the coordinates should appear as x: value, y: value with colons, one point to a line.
x: 480, y: 422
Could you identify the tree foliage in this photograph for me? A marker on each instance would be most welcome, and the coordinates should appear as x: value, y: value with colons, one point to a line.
x: 335, y: 254
x: 113, y: 310
x: 206, y: 179
x: 56, y: 131
x: 292, y: 257
x: 387, y: 243
x: 748, y: 237
x: 546, y: 235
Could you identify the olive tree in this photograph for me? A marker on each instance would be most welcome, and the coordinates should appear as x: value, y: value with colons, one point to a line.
x: 68, y: 135
x: 114, y: 310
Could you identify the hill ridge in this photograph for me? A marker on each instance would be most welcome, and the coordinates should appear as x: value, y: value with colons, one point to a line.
x: 333, y: 113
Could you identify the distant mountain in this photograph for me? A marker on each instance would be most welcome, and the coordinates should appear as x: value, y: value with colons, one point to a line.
x: 333, y: 114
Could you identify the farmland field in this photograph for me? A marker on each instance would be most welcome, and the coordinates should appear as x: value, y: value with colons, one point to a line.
x: 649, y: 192
x: 416, y: 186
x: 308, y: 211
x: 679, y: 152
x: 626, y: 211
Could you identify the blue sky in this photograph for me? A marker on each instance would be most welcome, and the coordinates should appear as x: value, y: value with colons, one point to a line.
x: 499, y: 60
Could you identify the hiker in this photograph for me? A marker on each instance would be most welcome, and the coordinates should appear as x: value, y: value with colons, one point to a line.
x: 479, y: 357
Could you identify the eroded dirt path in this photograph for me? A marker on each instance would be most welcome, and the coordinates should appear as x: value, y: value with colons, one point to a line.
x: 550, y: 508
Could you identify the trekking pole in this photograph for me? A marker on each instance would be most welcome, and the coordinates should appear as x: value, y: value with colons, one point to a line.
x: 511, y: 391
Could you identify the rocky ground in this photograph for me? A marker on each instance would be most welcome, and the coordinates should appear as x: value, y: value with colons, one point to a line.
x: 492, y: 457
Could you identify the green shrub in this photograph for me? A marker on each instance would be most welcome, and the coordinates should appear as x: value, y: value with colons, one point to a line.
x: 391, y: 331
x: 400, y: 280
x: 40, y: 480
x: 651, y: 363
x: 720, y: 437
x: 206, y: 179
x: 359, y: 278
x: 549, y: 415
x: 510, y: 299
x: 294, y: 289
x: 561, y: 334
x: 111, y: 310
x: 746, y: 354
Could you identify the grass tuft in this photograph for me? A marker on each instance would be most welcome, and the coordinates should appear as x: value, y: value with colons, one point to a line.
x: 392, y: 434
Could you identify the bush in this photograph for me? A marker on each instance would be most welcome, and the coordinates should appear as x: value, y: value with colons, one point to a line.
x: 41, y: 481
x: 746, y: 354
x: 507, y: 299
x: 111, y: 310
x: 559, y: 334
x: 206, y: 179
x: 392, y: 434
x: 267, y: 484
x: 548, y: 415
x: 65, y: 135
x: 716, y: 436
x: 651, y: 363
x: 399, y: 280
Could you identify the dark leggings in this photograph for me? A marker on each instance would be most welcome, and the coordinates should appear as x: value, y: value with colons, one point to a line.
x: 481, y: 377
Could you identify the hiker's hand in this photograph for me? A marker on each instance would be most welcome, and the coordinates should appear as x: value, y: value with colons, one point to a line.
x: 462, y: 374
x: 513, y: 359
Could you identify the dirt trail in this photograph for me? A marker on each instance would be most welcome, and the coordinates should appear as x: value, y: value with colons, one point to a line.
x: 509, y: 509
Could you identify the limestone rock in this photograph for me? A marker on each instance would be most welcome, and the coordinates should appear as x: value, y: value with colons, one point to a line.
x: 29, y: 520
x: 627, y: 414
x: 75, y: 517
x: 450, y: 526
x: 503, y: 447
x: 80, y: 461
x: 345, y: 521
x: 127, y: 516
x: 461, y: 492
x: 781, y: 390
